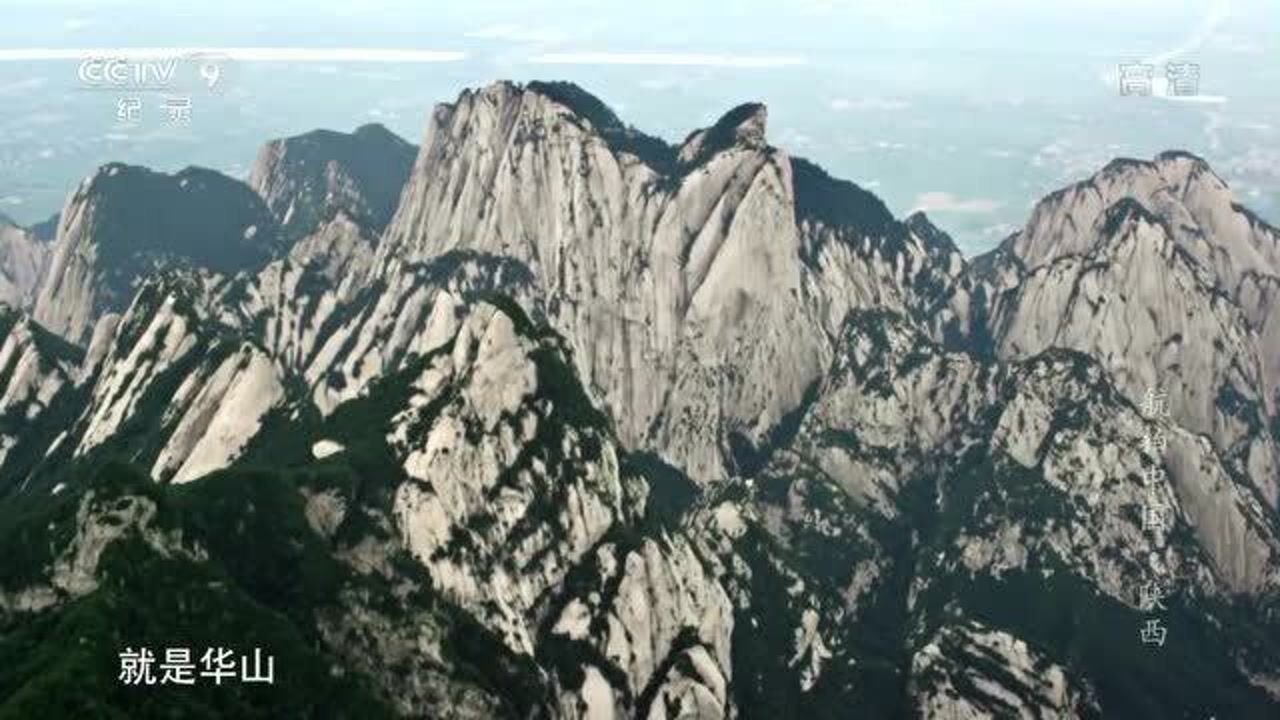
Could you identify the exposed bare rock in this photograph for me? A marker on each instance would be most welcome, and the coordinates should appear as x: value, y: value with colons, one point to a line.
x: 644, y: 609
x: 35, y: 366
x: 168, y: 366
x: 125, y: 222
x: 1151, y: 268
x: 601, y: 427
x: 305, y: 180
x: 292, y: 302
x: 216, y: 413
x: 698, y: 288
x: 24, y: 258
x: 99, y: 522
x: 509, y: 484
x: 970, y: 671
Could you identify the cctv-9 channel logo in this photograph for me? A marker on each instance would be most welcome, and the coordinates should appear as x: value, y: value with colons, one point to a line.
x: 191, y: 73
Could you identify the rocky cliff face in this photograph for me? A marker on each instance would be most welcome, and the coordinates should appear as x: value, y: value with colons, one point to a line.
x: 677, y: 274
x: 23, y: 259
x: 165, y: 383
x: 35, y: 367
x: 1001, y: 674
x: 1153, y: 269
x: 305, y: 179
x: 599, y: 426
x: 125, y: 222
x: 969, y: 488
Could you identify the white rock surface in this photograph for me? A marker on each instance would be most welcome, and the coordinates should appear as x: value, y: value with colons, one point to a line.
x: 696, y: 304
x: 505, y: 493
x: 23, y: 261
x: 1027, y: 686
x: 217, y: 414
x: 32, y: 374
x: 1153, y: 269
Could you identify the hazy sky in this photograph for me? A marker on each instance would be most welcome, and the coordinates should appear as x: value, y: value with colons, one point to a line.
x: 971, y: 110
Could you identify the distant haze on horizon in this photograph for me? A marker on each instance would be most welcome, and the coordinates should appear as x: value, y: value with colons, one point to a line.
x: 971, y: 113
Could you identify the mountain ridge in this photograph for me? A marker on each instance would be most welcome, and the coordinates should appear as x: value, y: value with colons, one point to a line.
x: 598, y: 426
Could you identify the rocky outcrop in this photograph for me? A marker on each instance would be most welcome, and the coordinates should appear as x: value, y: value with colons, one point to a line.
x: 306, y: 179
x: 678, y: 275
x: 1151, y: 268
x: 35, y: 367
x: 23, y: 259
x: 126, y: 222
x: 969, y: 671
x: 656, y: 626
x: 290, y: 304
x: 173, y: 386
x: 511, y: 479
x: 604, y: 427
x: 897, y: 407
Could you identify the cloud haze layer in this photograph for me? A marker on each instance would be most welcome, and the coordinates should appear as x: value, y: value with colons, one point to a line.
x: 996, y: 101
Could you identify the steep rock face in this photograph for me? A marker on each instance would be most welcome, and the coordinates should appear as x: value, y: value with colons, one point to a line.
x: 897, y: 406
x: 863, y: 258
x: 216, y: 412
x: 1151, y: 268
x: 677, y: 275
x: 514, y: 499
x: 408, y: 311
x: 328, y: 313
x: 126, y: 221
x: 1000, y: 677
x: 158, y: 331
x: 290, y: 303
x: 923, y: 504
x: 510, y: 493
x: 305, y: 179
x: 510, y: 484
x: 1176, y: 186
x: 1102, y: 479
x: 656, y: 625
x: 891, y: 403
x: 35, y: 366
x: 23, y: 260
x: 964, y: 487
x: 173, y: 386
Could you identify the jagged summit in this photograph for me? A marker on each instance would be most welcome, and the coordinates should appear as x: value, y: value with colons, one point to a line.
x: 574, y: 97
x: 602, y: 427
x: 744, y: 125
x: 1154, y: 268
x: 642, y: 263
x: 839, y: 203
x: 1162, y: 161
x: 653, y: 151
x: 126, y: 221
x: 307, y: 179
x: 936, y: 238
x: 1176, y: 186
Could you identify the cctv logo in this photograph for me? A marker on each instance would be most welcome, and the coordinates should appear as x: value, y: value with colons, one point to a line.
x: 125, y: 73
